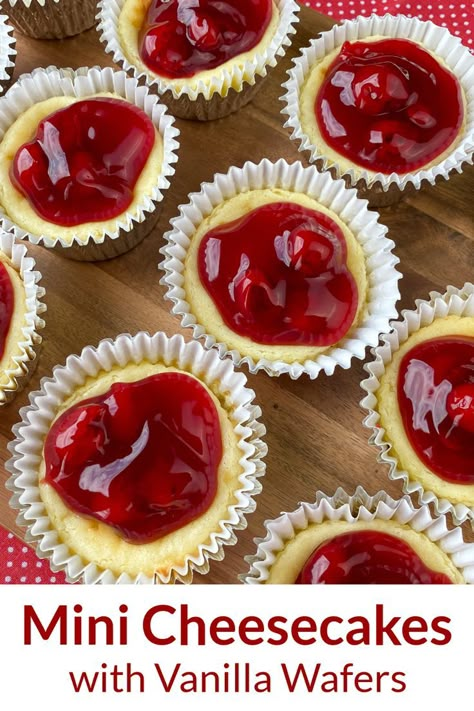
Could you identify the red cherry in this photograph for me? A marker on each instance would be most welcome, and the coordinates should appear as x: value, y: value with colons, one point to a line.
x: 203, y: 33
x: 393, y: 141
x: 309, y: 252
x: 420, y: 116
x: 166, y: 43
x: 379, y: 88
x: 252, y: 292
x: 85, y: 426
x: 460, y: 406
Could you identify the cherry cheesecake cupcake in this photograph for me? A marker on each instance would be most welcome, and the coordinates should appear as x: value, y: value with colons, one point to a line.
x: 360, y: 540
x: 137, y: 461
x: 205, y: 59
x: 363, y: 101
x: 282, y: 269
x: 85, y: 158
x: 420, y: 401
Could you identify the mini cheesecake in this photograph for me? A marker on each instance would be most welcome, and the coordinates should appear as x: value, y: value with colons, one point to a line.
x: 187, y: 45
x: 425, y: 400
x: 71, y: 167
x: 362, y: 553
x: 274, y: 274
x: 12, y: 318
x: 139, y: 467
x: 373, y: 105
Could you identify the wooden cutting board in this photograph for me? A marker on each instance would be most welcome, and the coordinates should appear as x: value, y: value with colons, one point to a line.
x: 315, y: 435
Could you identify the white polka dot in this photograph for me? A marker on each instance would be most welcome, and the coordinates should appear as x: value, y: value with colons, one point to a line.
x: 52, y: 579
x: 10, y: 549
x: 23, y: 579
x: 24, y: 564
x: 38, y: 579
x: 24, y: 549
x: 39, y: 564
x: 10, y: 535
x: 9, y: 564
x: 7, y: 579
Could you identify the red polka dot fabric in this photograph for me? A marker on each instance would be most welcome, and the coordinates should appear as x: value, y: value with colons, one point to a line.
x: 457, y: 16
x: 18, y: 562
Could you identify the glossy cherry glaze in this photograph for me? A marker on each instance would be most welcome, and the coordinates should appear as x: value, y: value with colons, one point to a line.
x: 436, y: 401
x: 7, y: 304
x: 143, y: 457
x: 379, y: 105
x: 279, y: 275
x: 84, y: 161
x: 367, y: 558
x: 180, y: 38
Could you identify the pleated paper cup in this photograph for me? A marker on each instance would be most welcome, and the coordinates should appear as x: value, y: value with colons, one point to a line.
x: 51, y: 19
x: 130, y: 228
x: 454, y: 302
x: 357, y: 509
x: 7, y: 53
x: 231, y: 86
x: 380, y: 262
x: 30, y: 434
x: 383, y: 188
x: 24, y: 361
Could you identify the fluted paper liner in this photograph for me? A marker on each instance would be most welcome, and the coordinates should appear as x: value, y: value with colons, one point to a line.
x: 459, y: 302
x: 229, y: 89
x: 51, y: 19
x: 359, y: 507
x: 7, y: 53
x: 437, y: 39
x: 30, y: 433
x: 28, y: 348
x: 130, y: 229
x: 382, y: 276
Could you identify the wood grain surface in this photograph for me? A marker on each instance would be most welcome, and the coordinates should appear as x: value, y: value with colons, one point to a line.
x: 314, y: 429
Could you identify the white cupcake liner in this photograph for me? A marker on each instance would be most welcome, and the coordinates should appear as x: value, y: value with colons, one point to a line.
x: 51, y: 19
x: 359, y: 507
x: 382, y: 276
x: 7, y: 53
x: 25, y: 359
x: 206, y: 100
x: 130, y: 229
x: 37, y: 418
x: 437, y: 39
x: 459, y: 302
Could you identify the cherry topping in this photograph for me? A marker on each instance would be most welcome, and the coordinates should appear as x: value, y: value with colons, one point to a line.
x: 379, y: 89
x: 436, y: 401
x: 460, y: 404
x: 252, y: 292
x: 379, y: 105
x: 309, y: 252
x: 279, y: 275
x: 203, y: 32
x: 180, y: 38
x: 7, y: 304
x: 84, y: 161
x: 367, y: 558
x: 143, y: 457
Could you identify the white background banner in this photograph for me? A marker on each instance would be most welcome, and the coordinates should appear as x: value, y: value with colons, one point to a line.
x: 218, y: 647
